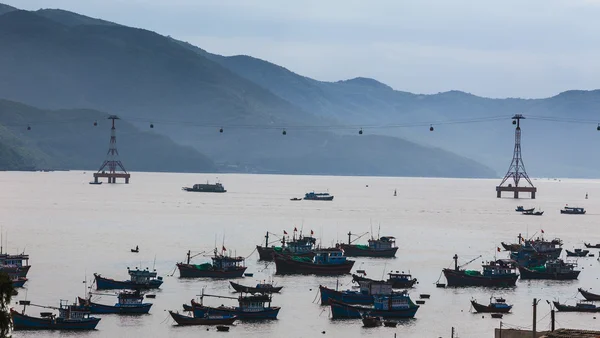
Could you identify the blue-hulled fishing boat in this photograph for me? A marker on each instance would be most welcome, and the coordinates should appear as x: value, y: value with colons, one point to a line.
x: 391, y: 306
x: 222, y: 267
x: 127, y: 303
x: 297, y: 246
x: 555, y: 269
x: 18, y: 282
x: 139, y: 279
x: 318, y: 196
x: 206, y: 320
x: 325, y: 262
x: 500, y: 273
x: 497, y: 305
x: 365, y: 294
x: 249, y: 307
x: 70, y: 317
x: 526, y: 255
x: 399, y: 280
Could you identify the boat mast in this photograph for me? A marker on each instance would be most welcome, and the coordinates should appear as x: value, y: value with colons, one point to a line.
x: 349, y: 234
x: 455, y: 262
x: 267, y: 240
x: 188, y: 256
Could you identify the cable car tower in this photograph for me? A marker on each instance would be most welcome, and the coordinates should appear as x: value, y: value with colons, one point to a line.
x: 112, y: 163
x: 516, y: 171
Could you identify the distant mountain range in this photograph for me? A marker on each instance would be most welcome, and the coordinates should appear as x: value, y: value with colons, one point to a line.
x: 56, y: 59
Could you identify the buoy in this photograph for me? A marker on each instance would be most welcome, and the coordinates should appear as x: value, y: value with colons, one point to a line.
x: 151, y: 125
x: 28, y: 128
x: 284, y: 132
x: 221, y: 130
x: 95, y: 123
x: 360, y: 132
x: 431, y: 127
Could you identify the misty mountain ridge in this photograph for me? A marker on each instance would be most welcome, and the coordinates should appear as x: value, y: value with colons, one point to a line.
x: 142, y: 75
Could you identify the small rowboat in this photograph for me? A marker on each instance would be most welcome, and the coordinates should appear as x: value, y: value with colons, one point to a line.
x: 497, y: 306
x: 369, y: 321
x: 588, y: 295
x: 592, y: 246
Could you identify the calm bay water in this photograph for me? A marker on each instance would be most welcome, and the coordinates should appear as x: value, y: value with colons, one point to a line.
x: 72, y: 229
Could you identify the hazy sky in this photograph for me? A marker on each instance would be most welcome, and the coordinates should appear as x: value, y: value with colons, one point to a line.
x: 509, y: 48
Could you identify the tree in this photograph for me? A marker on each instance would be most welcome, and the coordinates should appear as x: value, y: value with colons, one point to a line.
x: 6, y: 292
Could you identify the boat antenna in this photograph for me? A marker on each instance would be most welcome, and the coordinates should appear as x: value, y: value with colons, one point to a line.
x: 371, y: 221
x: 154, y: 263
x: 1, y: 239
x: 383, y: 272
x: 379, y: 231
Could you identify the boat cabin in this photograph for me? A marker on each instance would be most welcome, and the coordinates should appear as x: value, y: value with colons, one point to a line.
x: 329, y: 257
x: 301, y: 245
x: 500, y: 267
x: 397, y: 276
x: 382, y: 243
x: 142, y: 276
x: 254, y: 303
x: 14, y: 260
x: 72, y: 311
x: 375, y: 288
x: 392, y: 302
x: 221, y: 262
x: 130, y: 298
x: 559, y: 266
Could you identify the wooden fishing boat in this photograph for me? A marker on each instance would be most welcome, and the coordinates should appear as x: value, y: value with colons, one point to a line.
x: 15, y: 265
x: 70, y: 317
x: 325, y: 262
x: 390, y: 323
x: 511, y: 247
x: 371, y: 321
x: 579, y: 307
x: 496, y: 315
x: 496, y: 305
x: 378, y: 247
x: 301, y: 246
x: 393, y: 306
x: 520, y: 208
x: 139, y: 279
x: 95, y: 183
x: 205, y: 320
x: 127, y: 303
x: 592, y: 246
x: 295, y: 199
x: 556, y: 270
x: 531, y: 212
x: 222, y: 267
x: 365, y: 295
x: 249, y: 307
x: 500, y: 273
x: 259, y: 288
x: 222, y: 328
x: 572, y: 210
x: 318, y: 196
x: 577, y: 253
x: 588, y: 295
x: 399, y: 280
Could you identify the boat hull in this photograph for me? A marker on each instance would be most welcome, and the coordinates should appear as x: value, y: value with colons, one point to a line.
x: 489, y: 309
x: 19, y: 283
x: 190, y: 271
x: 241, y: 288
x: 396, y: 283
x: 266, y: 253
x: 287, y: 265
x: 96, y: 308
x: 582, y: 253
x: 530, y: 274
x: 355, y: 251
x: 20, y: 271
x: 24, y: 322
x: 340, y: 310
x: 460, y: 278
x: 187, y: 320
x: 590, y: 246
x: 588, y: 295
x: 328, y: 294
x: 103, y: 283
x: 267, y: 313
x: 570, y: 308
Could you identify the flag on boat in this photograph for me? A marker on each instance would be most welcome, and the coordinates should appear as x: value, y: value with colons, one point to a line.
x: 499, y: 249
x: 224, y: 248
x: 312, y: 232
x: 295, y: 229
x: 284, y: 232
x: 542, y: 230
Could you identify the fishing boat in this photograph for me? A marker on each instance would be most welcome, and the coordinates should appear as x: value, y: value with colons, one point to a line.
x: 295, y: 199
x: 318, y: 196
x: 555, y: 269
x: 17, y: 265
x: 139, y: 279
x: 521, y: 209
x: 249, y: 307
x: 588, y: 295
x: 95, y: 183
x: 391, y: 306
x: 365, y: 294
x: 217, y: 187
x: 136, y: 250
x: 325, y: 262
x: 532, y: 212
x: 527, y: 256
x: 371, y: 321
x: 70, y: 317
x: 581, y: 306
x: 577, y: 253
x: 573, y: 211
x: 592, y: 246
x: 127, y: 303
x: 399, y: 280
x: 222, y: 267
x: 205, y: 320
x: 378, y: 247
x: 511, y: 247
x: 496, y: 305
x: 301, y: 246
x: 499, y: 273
x: 259, y: 288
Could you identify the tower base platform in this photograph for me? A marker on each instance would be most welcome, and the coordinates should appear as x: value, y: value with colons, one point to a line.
x: 516, y: 191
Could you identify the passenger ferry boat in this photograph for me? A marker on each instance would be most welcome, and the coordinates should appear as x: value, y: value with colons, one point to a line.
x: 500, y: 273
x: 390, y: 306
x: 222, y: 267
x: 139, y: 279
x: 70, y: 317
x: 378, y: 247
x: 555, y: 269
x: 301, y: 246
x: 217, y: 187
x: 127, y: 303
x: 325, y: 262
x: 318, y: 196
